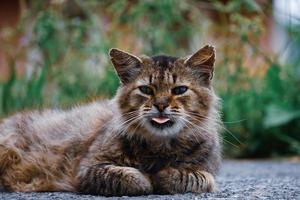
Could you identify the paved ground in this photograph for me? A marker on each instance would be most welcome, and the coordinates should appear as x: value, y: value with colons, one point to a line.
x: 237, y: 180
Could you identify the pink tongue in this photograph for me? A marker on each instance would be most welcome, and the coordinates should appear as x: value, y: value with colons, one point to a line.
x: 160, y: 120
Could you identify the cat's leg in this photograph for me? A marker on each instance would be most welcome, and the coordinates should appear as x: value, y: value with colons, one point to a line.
x: 172, y: 181
x: 37, y: 184
x: 111, y: 180
x: 8, y: 157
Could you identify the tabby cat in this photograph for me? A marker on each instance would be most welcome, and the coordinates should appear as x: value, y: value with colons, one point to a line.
x: 159, y: 134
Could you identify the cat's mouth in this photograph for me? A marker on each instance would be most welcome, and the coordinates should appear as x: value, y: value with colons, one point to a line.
x: 161, y: 122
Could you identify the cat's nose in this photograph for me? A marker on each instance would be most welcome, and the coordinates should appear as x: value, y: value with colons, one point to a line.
x: 161, y: 104
x: 161, y: 107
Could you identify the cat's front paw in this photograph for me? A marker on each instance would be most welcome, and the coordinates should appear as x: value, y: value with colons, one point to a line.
x: 172, y: 181
x: 115, y: 181
x: 134, y: 182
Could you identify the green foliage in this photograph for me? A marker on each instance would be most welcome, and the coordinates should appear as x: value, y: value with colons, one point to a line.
x: 17, y: 94
x: 237, y: 5
x: 277, y: 116
x: 267, y: 113
x: 162, y: 25
x: 261, y: 112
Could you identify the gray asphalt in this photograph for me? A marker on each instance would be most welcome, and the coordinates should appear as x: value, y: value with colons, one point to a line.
x: 237, y: 180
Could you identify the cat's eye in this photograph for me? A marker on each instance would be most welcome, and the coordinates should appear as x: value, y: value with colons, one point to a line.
x: 179, y: 90
x: 146, y: 90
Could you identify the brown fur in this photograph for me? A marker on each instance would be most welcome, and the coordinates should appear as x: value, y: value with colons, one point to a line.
x: 109, y: 148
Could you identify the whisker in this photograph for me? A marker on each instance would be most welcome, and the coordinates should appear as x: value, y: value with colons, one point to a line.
x: 230, y: 143
x: 192, y: 127
x: 223, y: 127
x: 224, y: 140
x: 233, y: 135
x: 128, y: 120
x: 203, y: 127
x: 234, y: 122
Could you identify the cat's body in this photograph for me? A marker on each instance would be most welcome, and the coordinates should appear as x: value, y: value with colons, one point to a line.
x: 133, y: 144
x: 49, y: 145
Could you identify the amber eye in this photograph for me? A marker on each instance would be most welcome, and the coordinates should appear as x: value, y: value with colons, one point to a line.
x: 179, y: 90
x: 146, y: 90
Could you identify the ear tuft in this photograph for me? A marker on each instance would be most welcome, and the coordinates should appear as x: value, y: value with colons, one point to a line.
x: 205, y: 55
x: 202, y: 62
x: 126, y: 64
x: 113, y: 52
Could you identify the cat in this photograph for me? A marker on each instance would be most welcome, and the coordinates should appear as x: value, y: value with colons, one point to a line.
x: 159, y: 134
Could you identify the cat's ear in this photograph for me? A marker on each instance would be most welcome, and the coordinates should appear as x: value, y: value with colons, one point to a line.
x: 202, y: 63
x: 126, y: 65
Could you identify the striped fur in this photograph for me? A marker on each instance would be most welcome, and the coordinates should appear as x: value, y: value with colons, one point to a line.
x: 110, y: 147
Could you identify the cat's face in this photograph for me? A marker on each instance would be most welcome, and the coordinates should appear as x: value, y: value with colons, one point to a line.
x: 164, y: 95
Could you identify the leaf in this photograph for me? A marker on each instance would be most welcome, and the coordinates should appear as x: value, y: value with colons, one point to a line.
x: 277, y: 116
x: 252, y: 6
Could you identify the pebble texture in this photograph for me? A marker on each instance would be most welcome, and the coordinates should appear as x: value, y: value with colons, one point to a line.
x: 237, y: 180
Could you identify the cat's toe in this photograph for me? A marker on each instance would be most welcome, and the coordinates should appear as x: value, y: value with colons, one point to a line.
x: 208, y: 184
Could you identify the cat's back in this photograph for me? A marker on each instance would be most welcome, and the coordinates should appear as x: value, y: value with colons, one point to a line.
x: 40, y: 150
x: 56, y: 126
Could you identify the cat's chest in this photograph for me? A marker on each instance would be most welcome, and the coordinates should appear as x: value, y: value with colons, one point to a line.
x: 151, y: 158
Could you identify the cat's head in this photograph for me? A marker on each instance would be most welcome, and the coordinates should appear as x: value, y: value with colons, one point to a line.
x: 164, y: 95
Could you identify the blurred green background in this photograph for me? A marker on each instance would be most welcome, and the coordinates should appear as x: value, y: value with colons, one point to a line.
x: 54, y: 53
